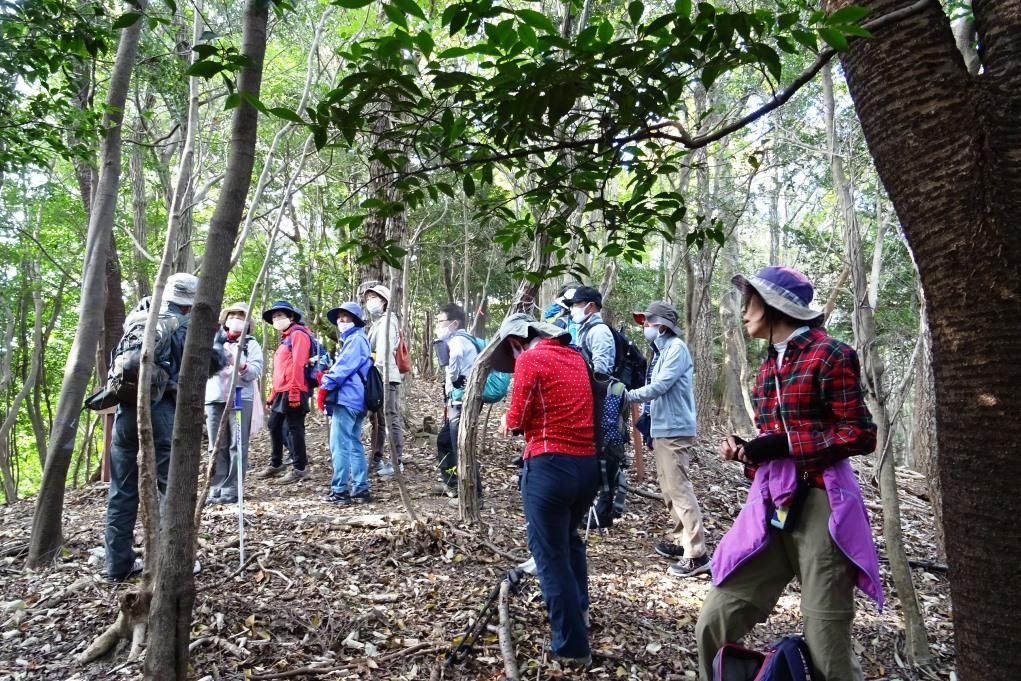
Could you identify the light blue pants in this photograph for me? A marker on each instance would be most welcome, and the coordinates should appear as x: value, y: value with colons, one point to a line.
x: 348, y: 452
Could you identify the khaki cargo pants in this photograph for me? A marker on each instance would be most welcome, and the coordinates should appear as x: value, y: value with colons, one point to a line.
x: 672, y: 465
x: 827, y: 595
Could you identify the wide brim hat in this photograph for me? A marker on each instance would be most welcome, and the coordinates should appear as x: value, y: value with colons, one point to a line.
x: 525, y: 327
x: 236, y: 307
x: 784, y: 289
x: 181, y: 288
x: 352, y: 308
x: 282, y: 306
x: 659, y: 312
x: 380, y: 290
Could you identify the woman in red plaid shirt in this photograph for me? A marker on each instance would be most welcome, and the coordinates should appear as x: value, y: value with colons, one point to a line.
x: 804, y: 516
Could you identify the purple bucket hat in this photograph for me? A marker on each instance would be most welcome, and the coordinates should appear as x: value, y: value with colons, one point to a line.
x: 782, y: 288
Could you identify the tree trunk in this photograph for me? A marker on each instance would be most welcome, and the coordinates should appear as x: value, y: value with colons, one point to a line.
x: 916, y: 645
x: 136, y: 169
x: 174, y: 591
x: 923, y: 437
x: 47, y: 521
x: 737, y: 402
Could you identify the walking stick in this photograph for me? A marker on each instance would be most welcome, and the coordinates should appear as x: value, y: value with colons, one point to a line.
x: 241, y: 474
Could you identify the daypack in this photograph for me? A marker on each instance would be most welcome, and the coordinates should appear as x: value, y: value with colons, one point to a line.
x: 610, y: 420
x: 497, y: 382
x: 401, y: 356
x: 373, y: 383
x: 786, y: 660
x: 629, y: 363
x: 319, y: 360
x: 122, y: 378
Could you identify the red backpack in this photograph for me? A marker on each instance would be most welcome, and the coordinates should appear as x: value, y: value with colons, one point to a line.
x: 401, y: 356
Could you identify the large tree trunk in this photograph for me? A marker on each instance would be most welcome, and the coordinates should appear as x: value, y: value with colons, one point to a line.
x: 916, y: 646
x: 948, y: 149
x: 47, y: 521
x: 174, y: 591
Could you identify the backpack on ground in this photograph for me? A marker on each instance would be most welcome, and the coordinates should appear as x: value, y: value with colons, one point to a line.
x: 786, y: 660
x: 497, y: 382
x: 319, y: 360
x: 629, y: 363
x: 125, y: 362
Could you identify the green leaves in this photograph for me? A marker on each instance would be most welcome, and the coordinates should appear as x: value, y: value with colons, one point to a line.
x: 351, y: 4
x: 833, y: 38
x: 635, y: 10
x: 835, y: 27
x: 126, y: 19
x: 536, y: 20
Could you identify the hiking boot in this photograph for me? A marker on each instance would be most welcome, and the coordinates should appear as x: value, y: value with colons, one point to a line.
x: 576, y: 663
x: 361, y: 498
x: 689, y: 567
x: 228, y: 499
x: 668, y: 550
x: 270, y: 472
x: 293, y: 476
x: 337, y: 498
x: 385, y: 469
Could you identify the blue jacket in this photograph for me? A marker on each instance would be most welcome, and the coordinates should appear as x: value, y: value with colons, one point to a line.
x: 343, y: 383
x: 670, y: 390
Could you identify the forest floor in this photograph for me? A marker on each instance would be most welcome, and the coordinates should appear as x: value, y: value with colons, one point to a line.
x: 359, y: 588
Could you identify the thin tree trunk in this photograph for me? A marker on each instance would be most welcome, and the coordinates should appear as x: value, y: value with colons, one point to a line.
x: 47, y: 521
x: 737, y: 402
x: 174, y: 590
x: 924, y: 435
x: 916, y: 647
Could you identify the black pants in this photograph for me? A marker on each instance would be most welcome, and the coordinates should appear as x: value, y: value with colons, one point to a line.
x: 294, y: 419
x: 446, y: 449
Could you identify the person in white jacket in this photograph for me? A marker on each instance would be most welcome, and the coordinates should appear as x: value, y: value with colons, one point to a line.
x: 234, y: 327
x: 384, y: 345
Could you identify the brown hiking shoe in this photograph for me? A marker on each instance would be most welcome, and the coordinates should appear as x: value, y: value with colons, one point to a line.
x: 293, y: 476
x: 270, y: 472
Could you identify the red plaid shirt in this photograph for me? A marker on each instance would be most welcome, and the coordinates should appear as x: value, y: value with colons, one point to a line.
x: 822, y: 403
x: 551, y: 401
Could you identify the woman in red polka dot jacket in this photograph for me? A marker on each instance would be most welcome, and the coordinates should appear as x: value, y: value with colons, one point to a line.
x: 551, y: 404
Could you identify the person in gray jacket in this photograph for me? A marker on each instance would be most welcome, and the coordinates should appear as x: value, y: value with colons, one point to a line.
x: 377, y: 304
x: 672, y: 428
x: 594, y: 335
x: 235, y: 326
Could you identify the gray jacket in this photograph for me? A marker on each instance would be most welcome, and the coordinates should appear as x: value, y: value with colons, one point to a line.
x: 670, y: 390
x: 377, y: 342
x: 596, y: 339
x: 219, y: 382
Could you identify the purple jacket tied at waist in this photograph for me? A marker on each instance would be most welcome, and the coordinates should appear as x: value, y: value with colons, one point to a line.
x: 775, y: 481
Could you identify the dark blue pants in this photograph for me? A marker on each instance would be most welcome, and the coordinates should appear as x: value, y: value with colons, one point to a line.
x: 122, y: 499
x: 557, y: 491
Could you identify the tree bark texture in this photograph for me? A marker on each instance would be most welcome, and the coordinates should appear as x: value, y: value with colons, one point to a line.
x: 737, y: 403
x: 924, y: 430
x: 947, y: 147
x: 174, y: 589
x: 47, y: 521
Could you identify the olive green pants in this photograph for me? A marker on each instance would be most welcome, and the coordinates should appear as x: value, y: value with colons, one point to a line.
x: 827, y: 595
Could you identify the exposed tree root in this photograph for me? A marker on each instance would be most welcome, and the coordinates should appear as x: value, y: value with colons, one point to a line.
x: 130, y: 626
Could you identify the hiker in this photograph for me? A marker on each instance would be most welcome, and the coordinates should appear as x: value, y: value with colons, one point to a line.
x: 461, y: 354
x: 559, y: 314
x: 671, y: 399
x: 342, y: 395
x: 235, y: 328
x: 122, y: 497
x: 288, y: 401
x: 552, y: 405
x: 377, y: 304
x: 595, y: 338
x: 804, y: 515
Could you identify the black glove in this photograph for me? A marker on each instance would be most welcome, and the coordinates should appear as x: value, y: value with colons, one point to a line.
x: 460, y: 382
x: 767, y: 447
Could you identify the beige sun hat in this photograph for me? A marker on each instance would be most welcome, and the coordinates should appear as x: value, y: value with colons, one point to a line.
x: 236, y: 307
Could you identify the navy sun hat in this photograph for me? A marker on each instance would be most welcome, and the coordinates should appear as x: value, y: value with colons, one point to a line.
x: 352, y: 308
x: 782, y: 288
x: 282, y: 306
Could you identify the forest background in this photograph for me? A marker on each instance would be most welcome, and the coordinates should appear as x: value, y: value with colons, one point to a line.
x: 481, y: 153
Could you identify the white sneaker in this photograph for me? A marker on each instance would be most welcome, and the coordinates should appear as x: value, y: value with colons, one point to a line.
x: 386, y: 469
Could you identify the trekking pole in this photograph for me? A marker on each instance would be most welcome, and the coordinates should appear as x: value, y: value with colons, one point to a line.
x: 241, y: 474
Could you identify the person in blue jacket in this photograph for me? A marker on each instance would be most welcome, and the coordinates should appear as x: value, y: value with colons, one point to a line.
x: 342, y: 395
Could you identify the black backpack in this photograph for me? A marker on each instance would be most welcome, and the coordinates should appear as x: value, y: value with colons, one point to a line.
x: 629, y: 363
x: 373, y: 382
x: 122, y: 378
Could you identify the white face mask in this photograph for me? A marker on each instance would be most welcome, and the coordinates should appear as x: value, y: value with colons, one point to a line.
x: 281, y: 324
x: 578, y: 314
x: 235, y: 325
x: 374, y: 307
x: 651, y: 333
x: 343, y: 327
x: 443, y: 331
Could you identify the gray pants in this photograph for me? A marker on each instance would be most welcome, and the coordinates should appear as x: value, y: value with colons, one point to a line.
x: 393, y: 413
x: 224, y: 480
x: 122, y: 498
